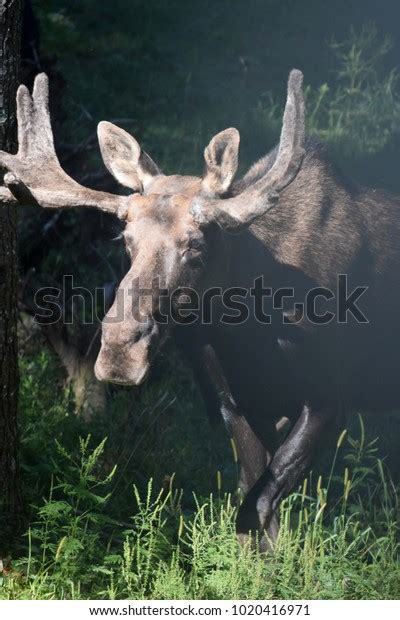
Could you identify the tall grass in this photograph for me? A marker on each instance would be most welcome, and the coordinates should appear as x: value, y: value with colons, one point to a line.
x: 338, y: 538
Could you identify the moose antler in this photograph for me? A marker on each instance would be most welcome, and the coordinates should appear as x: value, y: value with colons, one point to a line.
x: 34, y: 173
x: 235, y: 213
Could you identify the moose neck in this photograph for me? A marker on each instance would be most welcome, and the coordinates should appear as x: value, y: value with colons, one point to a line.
x: 314, y: 216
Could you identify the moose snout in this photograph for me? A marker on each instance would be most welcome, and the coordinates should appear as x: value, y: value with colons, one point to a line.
x: 124, y: 354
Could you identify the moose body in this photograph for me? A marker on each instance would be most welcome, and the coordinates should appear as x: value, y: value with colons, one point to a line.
x: 323, y: 226
x: 295, y: 222
x: 313, y: 374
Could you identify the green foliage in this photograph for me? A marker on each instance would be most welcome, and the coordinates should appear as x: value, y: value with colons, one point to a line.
x: 181, y: 73
x: 358, y: 112
x: 362, y: 111
x: 344, y: 546
x: 47, y: 414
x: 71, y: 522
x: 165, y: 417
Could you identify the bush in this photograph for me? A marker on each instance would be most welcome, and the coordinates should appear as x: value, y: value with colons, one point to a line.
x: 338, y: 538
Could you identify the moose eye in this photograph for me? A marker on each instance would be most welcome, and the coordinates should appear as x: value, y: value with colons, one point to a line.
x: 194, y: 250
x: 196, y: 245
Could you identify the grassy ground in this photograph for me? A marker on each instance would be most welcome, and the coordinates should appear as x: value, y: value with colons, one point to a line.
x: 162, y: 553
x: 74, y: 549
x: 99, y: 528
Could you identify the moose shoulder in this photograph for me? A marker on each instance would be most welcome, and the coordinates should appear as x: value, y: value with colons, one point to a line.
x: 313, y: 257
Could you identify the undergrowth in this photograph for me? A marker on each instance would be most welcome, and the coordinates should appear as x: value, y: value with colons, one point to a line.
x: 338, y: 537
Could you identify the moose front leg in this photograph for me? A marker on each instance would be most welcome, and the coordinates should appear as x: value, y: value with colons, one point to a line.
x: 289, y: 464
x: 253, y: 455
x: 254, y: 458
x: 254, y: 449
x: 252, y: 452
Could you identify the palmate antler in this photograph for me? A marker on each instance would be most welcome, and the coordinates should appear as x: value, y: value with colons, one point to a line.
x: 34, y: 173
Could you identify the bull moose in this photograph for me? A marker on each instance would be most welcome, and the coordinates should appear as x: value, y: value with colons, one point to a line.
x: 292, y: 228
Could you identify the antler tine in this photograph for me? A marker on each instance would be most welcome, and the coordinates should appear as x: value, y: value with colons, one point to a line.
x: 24, y: 117
x: 35, y: 174
x: 40, y: 97
x: 40, y: 93
x: 291, y: 145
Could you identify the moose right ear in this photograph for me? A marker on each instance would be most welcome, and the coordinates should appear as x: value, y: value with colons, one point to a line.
x: 124, y: 158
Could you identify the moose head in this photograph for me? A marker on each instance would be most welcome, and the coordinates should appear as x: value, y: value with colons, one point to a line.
x: 173, y: 224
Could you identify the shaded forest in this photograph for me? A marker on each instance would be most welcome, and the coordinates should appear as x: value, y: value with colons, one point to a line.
x: 129, y: 492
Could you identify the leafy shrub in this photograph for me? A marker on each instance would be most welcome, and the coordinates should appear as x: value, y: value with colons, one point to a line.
x: 342, y: 545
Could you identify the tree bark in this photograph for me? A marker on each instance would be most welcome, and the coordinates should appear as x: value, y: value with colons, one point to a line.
x: 10, y: 497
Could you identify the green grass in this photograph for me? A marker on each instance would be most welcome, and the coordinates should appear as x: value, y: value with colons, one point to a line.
x: 99, y: 529
x: 74, y: 550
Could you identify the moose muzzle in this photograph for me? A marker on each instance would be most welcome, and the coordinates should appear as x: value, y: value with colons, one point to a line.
x: 126, y: 358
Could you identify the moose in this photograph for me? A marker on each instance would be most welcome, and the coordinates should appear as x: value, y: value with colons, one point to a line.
x: 292, y: 224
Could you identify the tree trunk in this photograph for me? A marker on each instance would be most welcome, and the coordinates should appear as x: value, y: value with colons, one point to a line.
x: 10, y: 498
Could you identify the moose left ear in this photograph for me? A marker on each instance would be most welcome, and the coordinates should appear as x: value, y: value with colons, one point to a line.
x: 221, y: 157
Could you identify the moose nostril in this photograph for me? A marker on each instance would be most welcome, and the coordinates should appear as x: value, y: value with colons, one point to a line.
x: 147, y: 327
x: 137, y: 337
x: 143, y: 330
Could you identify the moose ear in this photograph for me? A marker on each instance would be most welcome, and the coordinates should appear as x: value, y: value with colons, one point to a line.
x: 124, y: 158
x: 221, y: 157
